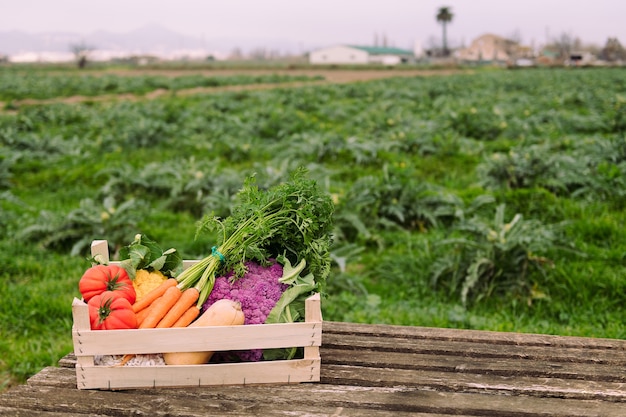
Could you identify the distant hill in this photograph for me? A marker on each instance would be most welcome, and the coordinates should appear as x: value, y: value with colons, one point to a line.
x: 147, y: 39
x: 152, y: 39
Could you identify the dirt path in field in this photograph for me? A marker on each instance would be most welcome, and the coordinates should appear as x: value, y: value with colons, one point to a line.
x: 336, y: 76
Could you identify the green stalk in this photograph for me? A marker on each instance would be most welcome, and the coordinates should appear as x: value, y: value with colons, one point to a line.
x: 191, y: 275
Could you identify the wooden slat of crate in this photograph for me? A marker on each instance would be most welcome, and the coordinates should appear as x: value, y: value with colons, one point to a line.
x: 270, y: 372
x: 194, y: 339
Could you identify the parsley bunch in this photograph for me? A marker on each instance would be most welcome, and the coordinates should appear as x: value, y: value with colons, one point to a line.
x: 292, y: 219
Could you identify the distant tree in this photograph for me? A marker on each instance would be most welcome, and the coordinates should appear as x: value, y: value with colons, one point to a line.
x: 236, y: 54
x: 444, y: 16
x: 515, y: 36
x: 258, y: 54
x: 613, y: 50
x: 432, y: 46
x: 564, y: 45
x: 81, y: 53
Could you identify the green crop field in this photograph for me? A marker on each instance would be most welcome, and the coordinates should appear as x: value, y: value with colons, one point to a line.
x: 19, y: 84
x: 493, y: 200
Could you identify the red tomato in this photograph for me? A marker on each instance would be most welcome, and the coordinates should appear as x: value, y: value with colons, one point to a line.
x: 110, y: 311
x: 101, y: 278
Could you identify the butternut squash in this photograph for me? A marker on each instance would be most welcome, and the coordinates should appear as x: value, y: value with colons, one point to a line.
x: 221, y: 313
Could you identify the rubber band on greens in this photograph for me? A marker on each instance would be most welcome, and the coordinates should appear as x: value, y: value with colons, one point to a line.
x: 218, y: 255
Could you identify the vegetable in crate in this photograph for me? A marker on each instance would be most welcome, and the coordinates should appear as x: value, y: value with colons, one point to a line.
x: 144, y: 253
x: 257, y: 291
x: 221, y: 313
x: 145, y: 281
x: 292, y: 220
x: 101, y: 278
x: 110, y: 311
x: 148, y: 265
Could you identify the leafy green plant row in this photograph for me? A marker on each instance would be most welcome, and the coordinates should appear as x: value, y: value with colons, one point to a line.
x: 36, y: 85
x: 315, y: 124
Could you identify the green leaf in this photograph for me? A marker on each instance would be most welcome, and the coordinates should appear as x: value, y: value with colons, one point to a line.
x: 139, y: 255
x: 290, y: 273
x: 170, y: 263
x: 290, y: 306
x: 144, y: 253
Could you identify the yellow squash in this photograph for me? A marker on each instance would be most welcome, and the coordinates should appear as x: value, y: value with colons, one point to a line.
x: 221, y: 313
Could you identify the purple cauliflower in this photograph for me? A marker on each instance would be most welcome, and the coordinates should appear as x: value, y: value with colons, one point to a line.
x: 257, y: 291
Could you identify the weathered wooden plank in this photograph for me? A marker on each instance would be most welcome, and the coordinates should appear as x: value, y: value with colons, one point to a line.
x: 460, y: 382
x: 474, y: 336
x: 474, y: 349
x: 477, y: 365
x: 308, y: 399
x: 68, y: 361
x: 255, y: 402
x: 313, y: 411
x: 28, y: 412
x: 59, y: 377
x: 449, y: 378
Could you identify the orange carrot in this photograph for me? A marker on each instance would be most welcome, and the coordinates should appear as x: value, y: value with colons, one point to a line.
x: 186, y: 300
x: 160, y: 307
x: 125, y: 359
x: 154, y: 294
x: 142, y: 315
x: 188, y: 317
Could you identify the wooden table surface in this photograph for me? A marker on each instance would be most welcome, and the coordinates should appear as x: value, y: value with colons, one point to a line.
x: 379, y: 370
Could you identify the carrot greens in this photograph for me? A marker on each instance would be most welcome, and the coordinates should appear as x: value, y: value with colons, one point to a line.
x: 292, y: 219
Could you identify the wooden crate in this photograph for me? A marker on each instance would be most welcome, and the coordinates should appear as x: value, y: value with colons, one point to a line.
x: 89, y: 343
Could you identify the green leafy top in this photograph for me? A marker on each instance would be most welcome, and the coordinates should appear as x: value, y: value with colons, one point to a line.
x: 293, y: 219
x: 144, y: 253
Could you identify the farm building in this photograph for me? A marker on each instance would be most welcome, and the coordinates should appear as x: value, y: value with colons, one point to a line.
x: 491, y: 48
x: 350, y: 54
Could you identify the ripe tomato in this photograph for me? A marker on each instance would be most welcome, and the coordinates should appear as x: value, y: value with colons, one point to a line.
x: 101, y: 278
x: 110, y: 311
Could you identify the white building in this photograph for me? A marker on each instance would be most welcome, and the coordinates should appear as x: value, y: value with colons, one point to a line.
x: 350, y: 54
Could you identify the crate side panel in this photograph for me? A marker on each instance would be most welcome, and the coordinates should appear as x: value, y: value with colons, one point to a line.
x: 313, y: 313
x: 271, y: 372
x: 197, y: 339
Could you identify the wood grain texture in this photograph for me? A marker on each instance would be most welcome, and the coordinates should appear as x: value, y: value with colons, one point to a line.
x: 300, y: 399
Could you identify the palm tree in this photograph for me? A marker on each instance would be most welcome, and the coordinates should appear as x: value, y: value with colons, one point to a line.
x: 444, y: 16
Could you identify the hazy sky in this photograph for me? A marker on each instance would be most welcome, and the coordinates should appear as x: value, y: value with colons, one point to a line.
x: 323, y: 22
